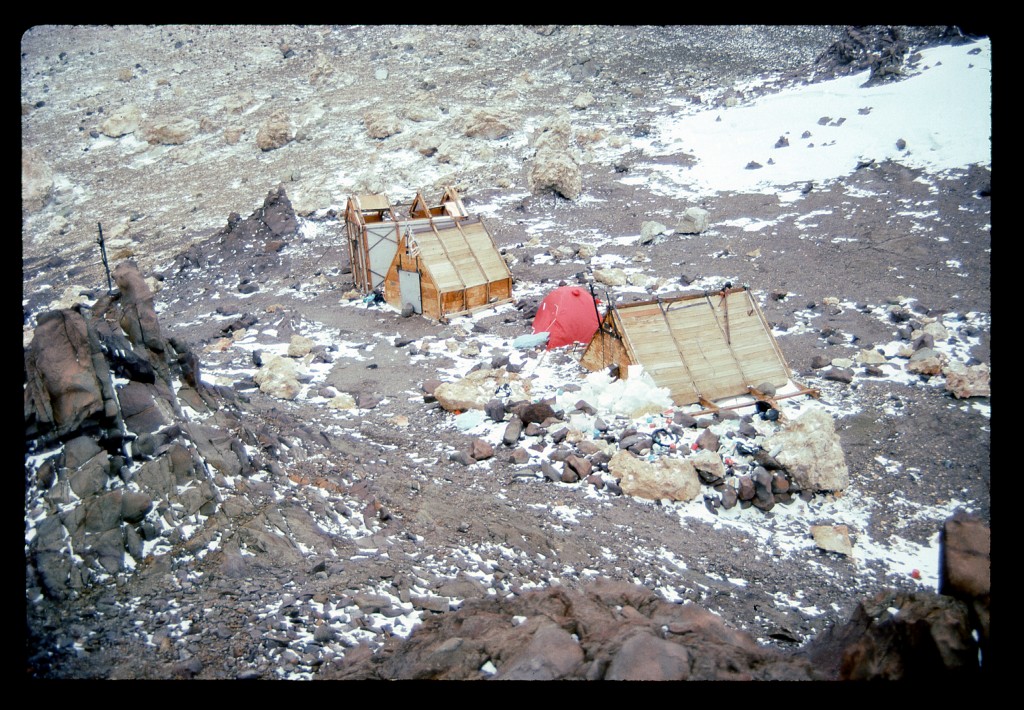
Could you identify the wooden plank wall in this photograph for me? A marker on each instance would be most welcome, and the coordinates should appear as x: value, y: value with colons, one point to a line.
x: 604, y: 351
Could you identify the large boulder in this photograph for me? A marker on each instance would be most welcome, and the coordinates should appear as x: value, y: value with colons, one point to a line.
x: 966, y: 569
x: 926, y: 361
x: 611, y: 276
x: 121, y: 122
x: 422, y: 108
x: 279, y: 377
x: 276, y: 132
x: 833, y: 538
x: 478, y: 388
x: 810, y: 451
x: 693, y: 221
x: 300, y: 345
x: 556, y: 171
x: 963, y: 381
x: 381, y: 124
x: 36, y: 181
x: 551, y: 653
x: 169, y: 131
x: 911, y: 637
x: 554, y: 167
x: 490, y: 125
x: 653, y: 232
x: 63, y: 389
x: 709, y: 465
x: 665, y: 477
x: 647, y: 657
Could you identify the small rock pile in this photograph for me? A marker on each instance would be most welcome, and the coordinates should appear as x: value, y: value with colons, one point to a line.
x: 749, y: 461
x: 918, y: 351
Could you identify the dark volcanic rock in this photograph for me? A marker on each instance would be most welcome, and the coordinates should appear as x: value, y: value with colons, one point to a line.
x: 966, y: 570
x: 927, y: 636
x: 622, y: 631
x: 264, y: 226
x: 513, y: 430
x: 535, y: 413
x: 63, y: 388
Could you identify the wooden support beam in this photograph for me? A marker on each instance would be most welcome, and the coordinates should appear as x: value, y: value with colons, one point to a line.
x: 711, y: 407
x: 469, y: 311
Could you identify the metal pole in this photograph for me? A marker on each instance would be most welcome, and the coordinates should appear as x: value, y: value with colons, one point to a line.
x: 103, y: 253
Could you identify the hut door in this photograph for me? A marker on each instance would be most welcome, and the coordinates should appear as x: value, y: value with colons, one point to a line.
x: 381, y: 246
x: 409, y: 288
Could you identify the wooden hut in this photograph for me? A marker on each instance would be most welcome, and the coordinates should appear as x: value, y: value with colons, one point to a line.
x: 438, y: 259
x: 703, y: 347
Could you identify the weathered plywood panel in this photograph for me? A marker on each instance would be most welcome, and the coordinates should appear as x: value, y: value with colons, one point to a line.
x: 476, y: 296
x: 462, y: 257
x: 501, y: 289
x: 698, y: 346
x: 453, y: 301
x: 372, y: 202
x: 602, y: 351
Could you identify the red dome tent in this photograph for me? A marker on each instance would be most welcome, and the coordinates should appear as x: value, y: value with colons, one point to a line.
x: 569, y: 314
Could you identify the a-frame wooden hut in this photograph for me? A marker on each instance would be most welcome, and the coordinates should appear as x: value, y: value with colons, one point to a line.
x: 438, y: 259
x: 703, y: 347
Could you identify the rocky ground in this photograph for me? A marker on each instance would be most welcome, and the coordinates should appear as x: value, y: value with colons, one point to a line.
x: 348, y: 526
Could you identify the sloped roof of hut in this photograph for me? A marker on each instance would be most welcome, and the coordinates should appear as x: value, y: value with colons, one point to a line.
x: 703, y: 347
x: 458, y: 254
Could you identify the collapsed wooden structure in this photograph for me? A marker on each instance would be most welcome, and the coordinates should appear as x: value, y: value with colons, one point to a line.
x: 438, y: 259
x: 703, y: 347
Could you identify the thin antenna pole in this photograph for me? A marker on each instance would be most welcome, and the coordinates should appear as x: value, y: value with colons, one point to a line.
x: 597, y: 312
x: 103, y: 253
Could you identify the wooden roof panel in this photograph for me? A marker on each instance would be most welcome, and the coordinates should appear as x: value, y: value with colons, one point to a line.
x: 373, y: 202
x: 704, y: 345
x: 461, y: 256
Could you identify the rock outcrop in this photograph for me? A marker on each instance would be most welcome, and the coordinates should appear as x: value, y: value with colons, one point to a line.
x: 121, y: 467
x: 554, y: 167
x: 607, y: 631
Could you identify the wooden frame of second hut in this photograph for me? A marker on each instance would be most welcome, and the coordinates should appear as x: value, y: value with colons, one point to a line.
x: 439, y: 260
